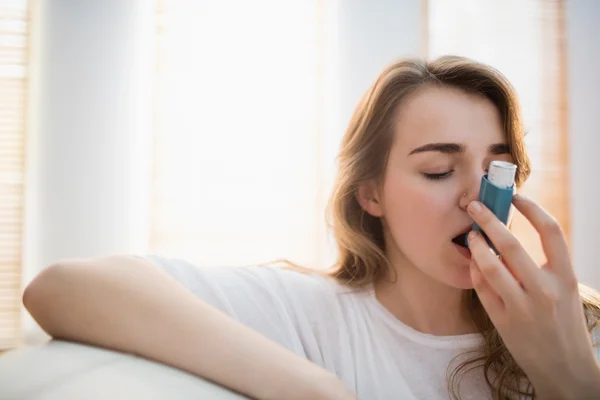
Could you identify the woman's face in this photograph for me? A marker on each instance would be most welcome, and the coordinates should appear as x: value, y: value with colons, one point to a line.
x: 444, y: 142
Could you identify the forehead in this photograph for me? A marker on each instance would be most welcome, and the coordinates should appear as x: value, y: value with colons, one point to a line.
x: 438, y: 114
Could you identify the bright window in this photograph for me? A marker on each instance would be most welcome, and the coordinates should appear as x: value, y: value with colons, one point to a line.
x: 238, y: 172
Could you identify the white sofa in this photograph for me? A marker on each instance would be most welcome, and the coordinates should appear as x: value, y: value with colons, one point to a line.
x: 60, y: 370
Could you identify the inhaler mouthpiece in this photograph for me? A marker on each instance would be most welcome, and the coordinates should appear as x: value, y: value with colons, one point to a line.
x: 502, y: 174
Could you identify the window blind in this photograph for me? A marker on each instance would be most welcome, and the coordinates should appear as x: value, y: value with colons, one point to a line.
x: 13, y: 84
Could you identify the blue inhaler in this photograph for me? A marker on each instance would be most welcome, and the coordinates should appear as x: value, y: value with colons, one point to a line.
x: 496, y: 192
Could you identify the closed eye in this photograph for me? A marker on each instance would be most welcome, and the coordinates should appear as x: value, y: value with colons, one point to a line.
x: 439, y: 176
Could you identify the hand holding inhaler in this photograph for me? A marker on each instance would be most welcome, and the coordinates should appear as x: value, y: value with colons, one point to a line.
x: 536, y: 309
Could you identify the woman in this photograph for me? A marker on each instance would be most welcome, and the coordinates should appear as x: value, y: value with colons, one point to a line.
x: 405, y: 313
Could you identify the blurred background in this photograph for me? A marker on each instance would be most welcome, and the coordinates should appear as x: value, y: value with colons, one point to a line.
x: 207, y: 129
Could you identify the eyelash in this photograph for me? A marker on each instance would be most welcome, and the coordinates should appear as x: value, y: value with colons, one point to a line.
x: 435, y: 177
x: 443, y: 175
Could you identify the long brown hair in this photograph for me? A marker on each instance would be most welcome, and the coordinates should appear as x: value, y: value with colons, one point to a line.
x: 363, y: 156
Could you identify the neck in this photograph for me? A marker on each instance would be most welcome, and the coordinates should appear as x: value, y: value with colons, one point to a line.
x: 423, y: 303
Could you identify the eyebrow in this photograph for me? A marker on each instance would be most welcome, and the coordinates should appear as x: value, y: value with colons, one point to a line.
x: 455, y: 148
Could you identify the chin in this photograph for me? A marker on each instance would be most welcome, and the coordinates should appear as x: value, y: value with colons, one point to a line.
x: 460, y: 276
x: 462, y: 280
x: 458, y: 281
x: 457, y: 276
x: 465, y: 285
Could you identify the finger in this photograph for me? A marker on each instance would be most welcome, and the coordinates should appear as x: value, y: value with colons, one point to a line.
x: 513, y: 254
x: 495, y: 273
x: 551, y: 235
x: 490, y: 300
x: 481, y: 284
x: 510, y: 270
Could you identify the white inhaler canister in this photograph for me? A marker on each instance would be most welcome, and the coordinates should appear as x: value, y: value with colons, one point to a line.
x: 496, y: 192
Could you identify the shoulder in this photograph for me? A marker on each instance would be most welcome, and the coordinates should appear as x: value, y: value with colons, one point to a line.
x: 318, y: 296
x: 304, y: 281
x: 301, y: 289
x: 271, y: 278
x: 306, y: 291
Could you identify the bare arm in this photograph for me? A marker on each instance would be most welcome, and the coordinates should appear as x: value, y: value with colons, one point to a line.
x: 127, y: 304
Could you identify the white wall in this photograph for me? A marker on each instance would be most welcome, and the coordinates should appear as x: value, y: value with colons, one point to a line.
x: 583, y: 34
x: 365, y: 36
x: 373, y: 34
x: 90, y: 103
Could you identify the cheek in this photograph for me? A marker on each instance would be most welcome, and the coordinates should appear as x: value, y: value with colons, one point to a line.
x: 416, y: 211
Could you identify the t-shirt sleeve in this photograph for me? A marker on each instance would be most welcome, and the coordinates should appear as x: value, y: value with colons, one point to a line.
x: 263, y: 297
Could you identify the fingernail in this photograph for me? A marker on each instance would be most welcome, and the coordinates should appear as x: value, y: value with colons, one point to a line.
x: 473, y: 235
x: 474, y: 207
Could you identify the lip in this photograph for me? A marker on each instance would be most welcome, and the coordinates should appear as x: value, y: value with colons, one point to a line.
x: 466, y: 229
x: 465, y: 252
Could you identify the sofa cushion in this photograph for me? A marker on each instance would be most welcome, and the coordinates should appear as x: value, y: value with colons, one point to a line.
x: 65, y: 370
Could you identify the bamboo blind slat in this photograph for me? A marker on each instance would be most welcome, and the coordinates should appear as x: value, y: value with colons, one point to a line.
x: 14, y: 26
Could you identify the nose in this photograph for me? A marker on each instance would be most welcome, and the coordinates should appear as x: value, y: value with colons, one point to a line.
x: 470, y: 190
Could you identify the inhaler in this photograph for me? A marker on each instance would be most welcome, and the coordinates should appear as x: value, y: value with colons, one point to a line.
x: 496, y: 192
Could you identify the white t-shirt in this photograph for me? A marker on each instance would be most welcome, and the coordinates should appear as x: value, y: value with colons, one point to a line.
x: 345, y: 331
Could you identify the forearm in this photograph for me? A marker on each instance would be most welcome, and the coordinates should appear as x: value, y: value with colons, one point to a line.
x: 128, y: 305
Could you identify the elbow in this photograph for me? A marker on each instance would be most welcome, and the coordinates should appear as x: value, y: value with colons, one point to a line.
x: 35, y: 293
x: 64, y: 294
x: 46, y: 290
x: 52, y: 282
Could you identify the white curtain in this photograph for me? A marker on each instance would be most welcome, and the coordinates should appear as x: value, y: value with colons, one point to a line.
x: 239, y: 169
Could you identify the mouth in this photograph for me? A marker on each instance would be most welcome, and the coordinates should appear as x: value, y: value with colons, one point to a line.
x: 461, y: 239
x: 460, y: 242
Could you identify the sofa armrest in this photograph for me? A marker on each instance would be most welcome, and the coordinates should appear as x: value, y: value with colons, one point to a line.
x: 65, y: 370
